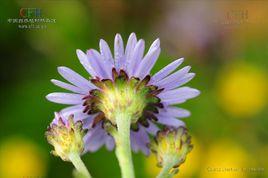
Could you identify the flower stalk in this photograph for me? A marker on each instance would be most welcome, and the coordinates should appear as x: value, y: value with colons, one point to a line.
x: 168, y: 171
x: 123, y: 148
x: 79, y: 165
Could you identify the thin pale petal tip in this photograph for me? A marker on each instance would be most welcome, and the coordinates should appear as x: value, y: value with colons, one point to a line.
x: 187, y: 113
x: 192, y: 75
x: 49, y: 96
x: 140, y: 42
x: 133, y: 34
x: 196, y: 92
x: 180, y: 60
x: 132, y: 37
x: 157, y: 43
x: 118, y: 37
x: 53, y: 80
x: 79, y: 51
x: 80, y: 54
x: 186, y: 68
x: 103, y: 42
x: 60, y: 68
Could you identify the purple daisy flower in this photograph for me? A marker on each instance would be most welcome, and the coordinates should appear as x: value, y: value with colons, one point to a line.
x: 123, y: 83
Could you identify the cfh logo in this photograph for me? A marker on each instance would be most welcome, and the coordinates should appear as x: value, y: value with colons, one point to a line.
x: 30, y: 12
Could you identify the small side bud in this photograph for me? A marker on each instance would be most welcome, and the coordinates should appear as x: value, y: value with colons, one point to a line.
x: 66, y: 136
x: 171, y: 147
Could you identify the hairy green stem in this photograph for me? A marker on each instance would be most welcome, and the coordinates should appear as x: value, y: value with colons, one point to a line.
x: 164, y: 173
x: 123, y: 148
x: 167, y: 167
x: 79, y: 165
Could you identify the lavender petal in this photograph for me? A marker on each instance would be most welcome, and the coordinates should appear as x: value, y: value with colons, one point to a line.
x: 152, y: 129
x: 95, y: 138
x: 106, y: 52
x: 131, y: 43
x: 166, y: 70
x: 181, y: 95
x: 118, y: 50
x: 136, y: 56
x: 172, y: 111
x: 85, y: 62
x: 147, y: 63
x: 170, y: 121
x: 173, y: 77
x: 65, y: 98
x: 68, y: 87
x: 103, y: 67
x: 109, y: 143
x: 139, y: 140
x: 75, y: 78
x: 179, y: 82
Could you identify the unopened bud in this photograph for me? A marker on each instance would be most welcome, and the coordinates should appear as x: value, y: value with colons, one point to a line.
x: 66, y: 136
x: 171, y: 147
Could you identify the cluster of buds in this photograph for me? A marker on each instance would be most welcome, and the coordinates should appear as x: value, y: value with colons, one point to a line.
x: 66, y: 136
x: 171, y: 147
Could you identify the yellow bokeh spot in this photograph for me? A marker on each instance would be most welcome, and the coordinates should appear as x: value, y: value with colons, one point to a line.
x: 151, y: 166
x: 242, y: 90
x: 21, y: 158
x: 226, y: 159
x: 187, y: 169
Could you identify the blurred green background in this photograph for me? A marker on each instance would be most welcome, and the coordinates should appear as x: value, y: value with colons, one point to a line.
x: 225, y: 42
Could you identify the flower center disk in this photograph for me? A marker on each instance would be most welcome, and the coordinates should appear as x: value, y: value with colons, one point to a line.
x: 131, y: 96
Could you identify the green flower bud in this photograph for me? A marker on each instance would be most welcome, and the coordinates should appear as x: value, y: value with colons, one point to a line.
x: 171, y: 147
x: 66, y: 137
